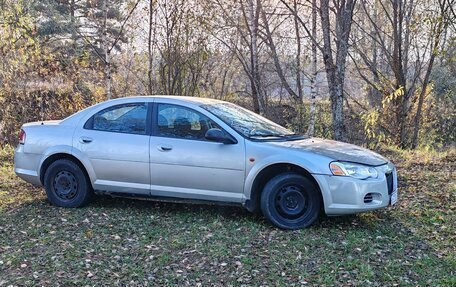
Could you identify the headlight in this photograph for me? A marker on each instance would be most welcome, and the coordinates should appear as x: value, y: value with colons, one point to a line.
x: 354, y: 170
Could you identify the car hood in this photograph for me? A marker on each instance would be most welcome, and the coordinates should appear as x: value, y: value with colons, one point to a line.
x: 336, y: 150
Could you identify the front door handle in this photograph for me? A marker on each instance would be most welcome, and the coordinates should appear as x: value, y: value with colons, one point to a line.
x: 164, y: 147
x: 85, y: 140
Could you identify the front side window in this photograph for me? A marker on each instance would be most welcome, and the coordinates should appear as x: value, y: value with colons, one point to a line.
x: 126, y: 118
x: 181, y: 122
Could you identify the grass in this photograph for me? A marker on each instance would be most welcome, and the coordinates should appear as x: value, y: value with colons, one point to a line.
x: 141, y: 243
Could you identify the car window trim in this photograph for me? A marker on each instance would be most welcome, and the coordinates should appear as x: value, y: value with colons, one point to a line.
x: 153, y: 121
x: 88, y: 125
x: 154, y: 129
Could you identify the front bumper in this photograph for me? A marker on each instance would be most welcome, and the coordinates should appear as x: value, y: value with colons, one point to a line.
x: 346, y: 195
x: 26, y: 165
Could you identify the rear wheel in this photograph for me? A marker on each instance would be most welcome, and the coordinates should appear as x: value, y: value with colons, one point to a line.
x: 291, y: 201
x: 66, y: 184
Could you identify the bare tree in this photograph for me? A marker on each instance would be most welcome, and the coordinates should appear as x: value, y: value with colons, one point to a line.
x: 403, y: 52
x: 337, y: 31
x: 108, y: 45
x: 181, y: 47
x: 438, y: 28
x: 237, y: 28
x: 268, y: 39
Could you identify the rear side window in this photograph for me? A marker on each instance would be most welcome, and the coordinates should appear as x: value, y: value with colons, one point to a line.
x: 125, y: 118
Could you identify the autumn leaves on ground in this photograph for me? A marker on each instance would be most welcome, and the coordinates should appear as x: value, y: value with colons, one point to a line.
x: 141, y: 243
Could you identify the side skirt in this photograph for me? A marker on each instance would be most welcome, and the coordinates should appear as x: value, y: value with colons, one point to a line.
x: 165, y: 198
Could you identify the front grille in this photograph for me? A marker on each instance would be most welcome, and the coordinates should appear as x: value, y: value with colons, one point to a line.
x: 390, y: 182
x: 368, y: 198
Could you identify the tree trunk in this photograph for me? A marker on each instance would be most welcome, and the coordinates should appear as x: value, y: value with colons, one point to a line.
x: 255, y: 99
x: 335, y: 71
x: 398, y: 70
x: 253, y: 14
x: 73, y: 24
x: 149, y: 48
x: 337, y: 106
x: 298, y: 54
x: 374, y: 96
x: 106, y: 48
x: 313, y: 79
x: 108, y: 74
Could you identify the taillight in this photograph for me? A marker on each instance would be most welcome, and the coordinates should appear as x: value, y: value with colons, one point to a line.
x: 22, y: 137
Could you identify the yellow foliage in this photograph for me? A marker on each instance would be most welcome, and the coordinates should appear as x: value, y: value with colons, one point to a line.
x: 393, y: 96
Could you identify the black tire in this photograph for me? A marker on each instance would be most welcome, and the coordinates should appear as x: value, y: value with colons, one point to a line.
x: 66, y: 184
x: 291, y: 201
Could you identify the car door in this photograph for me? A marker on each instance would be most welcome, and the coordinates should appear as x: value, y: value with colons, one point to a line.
x: 116, y: 141
x: 184, y: 164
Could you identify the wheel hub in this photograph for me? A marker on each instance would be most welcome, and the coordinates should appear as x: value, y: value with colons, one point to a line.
x: 291, y: 202
x: 65, y: 185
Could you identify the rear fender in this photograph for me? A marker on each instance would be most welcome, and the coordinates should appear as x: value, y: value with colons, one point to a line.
x: 86, y: 163
x: 65, y: 149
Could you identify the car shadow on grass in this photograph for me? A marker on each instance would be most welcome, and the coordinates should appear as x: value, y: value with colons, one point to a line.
x: 232, y: 214
x: 210, y: 211
x: 228, y: 212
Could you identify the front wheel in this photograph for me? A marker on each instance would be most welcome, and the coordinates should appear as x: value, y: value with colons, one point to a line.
x: 291, y: 201
x: 66, y: 184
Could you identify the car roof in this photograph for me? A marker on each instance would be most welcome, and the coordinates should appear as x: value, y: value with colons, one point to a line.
x: 175, y: 99
x: 193, y: 100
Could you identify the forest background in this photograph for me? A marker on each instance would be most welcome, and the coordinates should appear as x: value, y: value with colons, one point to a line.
x: 369, y: 72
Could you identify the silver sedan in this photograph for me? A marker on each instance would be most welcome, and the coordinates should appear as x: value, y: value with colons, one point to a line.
x: 196, y: 149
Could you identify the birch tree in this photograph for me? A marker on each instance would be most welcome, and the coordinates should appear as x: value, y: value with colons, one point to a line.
x: 313, y: 79
x: 336, y: 22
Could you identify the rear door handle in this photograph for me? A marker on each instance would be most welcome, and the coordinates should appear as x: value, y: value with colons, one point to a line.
x: 164, y: 147
x: 85, y: 140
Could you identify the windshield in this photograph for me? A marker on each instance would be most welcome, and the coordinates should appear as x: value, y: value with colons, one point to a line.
x: 246, y: 122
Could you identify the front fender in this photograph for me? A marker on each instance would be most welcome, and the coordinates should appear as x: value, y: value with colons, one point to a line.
x: 305, y: 164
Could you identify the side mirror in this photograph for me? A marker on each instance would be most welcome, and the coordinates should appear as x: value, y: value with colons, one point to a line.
x: 217, y: 135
